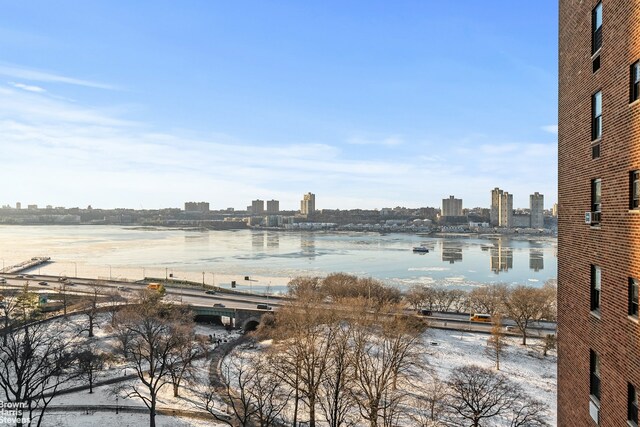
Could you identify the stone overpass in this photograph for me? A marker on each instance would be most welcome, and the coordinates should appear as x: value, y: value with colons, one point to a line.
x: 247, y: 319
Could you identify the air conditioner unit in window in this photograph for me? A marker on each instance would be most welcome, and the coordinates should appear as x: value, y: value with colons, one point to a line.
x: 594, y: 411
x: 587, y: 217
x: 595, y: 217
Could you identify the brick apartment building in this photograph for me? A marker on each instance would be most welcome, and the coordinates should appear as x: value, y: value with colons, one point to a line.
x: 599, y: 213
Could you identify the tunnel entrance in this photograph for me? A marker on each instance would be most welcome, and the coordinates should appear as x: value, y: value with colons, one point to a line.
x: 209, y: 319
x: 250, y: 325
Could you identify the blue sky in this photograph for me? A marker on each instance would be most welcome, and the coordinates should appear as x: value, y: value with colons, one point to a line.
x: 365, y: 103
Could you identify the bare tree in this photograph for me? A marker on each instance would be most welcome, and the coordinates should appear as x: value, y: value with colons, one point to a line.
x: 181, y: 359
x: 91, y: 363
x: 345, y: 286
x: 301, y: 286
x: 269, y: 395
x: 549, y: 343
x: 335, y: 398
x: 429, y: 407
x: 287, y: 370
x: 446, y: 298
x: 488, y: 299
x: 339, y: 285
x: 90, y: 308
x: 34, y: 363
x: 209, y: 400
x: 529, y: 413
x: 384, y: 350
x: 238, y: 376
x: 525, y: 305
x: 153, y: 332
x: 476, y: 395
x: 497, y: 342
x: 312, y: 340
x: 115, y: 301
x: 416, y: 296
x: 9, y: 307
x: 62, y: 292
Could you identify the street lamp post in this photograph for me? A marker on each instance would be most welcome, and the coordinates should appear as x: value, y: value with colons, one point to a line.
x: 116, y: 404
x: 203, y: 279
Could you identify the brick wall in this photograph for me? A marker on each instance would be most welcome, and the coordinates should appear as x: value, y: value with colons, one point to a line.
x: 615, y: 244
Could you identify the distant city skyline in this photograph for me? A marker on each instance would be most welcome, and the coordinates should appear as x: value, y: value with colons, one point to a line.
x: 369, y: 105
x: 308, y: 201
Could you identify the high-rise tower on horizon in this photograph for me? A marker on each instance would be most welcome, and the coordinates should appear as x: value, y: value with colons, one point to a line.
x: 308, y: 204
x: 598, y: 213
x: 536, y: 209
x: 451, y: 207
x: 501, y: 214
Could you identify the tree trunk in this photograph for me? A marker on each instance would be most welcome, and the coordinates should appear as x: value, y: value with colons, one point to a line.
x: 295, y: 409
x: 90, y: 326
x: 152, y: 412
x: 90, y: 384
x: 176, y: 384
x: 312, y: 411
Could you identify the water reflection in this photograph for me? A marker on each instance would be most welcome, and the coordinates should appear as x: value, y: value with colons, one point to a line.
x: 451, y: 252
x: 536, y: 259
x: 257, y: 240
x: 273, y: 240
x: 501, y: 258
x: 308, y: 245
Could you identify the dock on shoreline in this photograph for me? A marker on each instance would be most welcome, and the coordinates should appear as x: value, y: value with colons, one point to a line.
x: 26, y: 265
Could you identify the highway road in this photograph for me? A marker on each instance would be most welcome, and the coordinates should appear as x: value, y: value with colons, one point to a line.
x: 197, y: 297
x: 128, y: 290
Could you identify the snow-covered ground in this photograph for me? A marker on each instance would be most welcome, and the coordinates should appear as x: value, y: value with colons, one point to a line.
x: 444, y: 350
x: 106, y: 395
x: 80, y: 419
x: 525, y: 366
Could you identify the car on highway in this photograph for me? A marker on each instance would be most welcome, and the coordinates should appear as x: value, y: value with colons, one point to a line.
x: 210, y: 292
x: 425, y: 312
x: 123, y: 289
x: 20, y: 276
x: 43, y: 283
x: 481, y: 318
x: 3, y: 280
x: 62, y: 279
x: 219, y: 305
x: 28, y: 276
x: 263, y: 307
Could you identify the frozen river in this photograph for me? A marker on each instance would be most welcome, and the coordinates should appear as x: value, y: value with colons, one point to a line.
x: 270, y: 258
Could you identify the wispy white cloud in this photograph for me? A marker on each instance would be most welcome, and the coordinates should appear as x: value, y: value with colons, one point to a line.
x: 551, y: 129
x: 61, y: 153
x: 23, y: 73
x: 29, y: 88
x: 389, y: 141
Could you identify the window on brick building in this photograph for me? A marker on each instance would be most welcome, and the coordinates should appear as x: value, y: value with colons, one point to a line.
x: 596, y: 196
x: 635, y: 81
x: 596, y: 116
x: 634, y: 190
x: 633, y: 297
x: 596, y: 287
x: 596, y: 28
x: 632, y: 405
x: 594, y: 379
